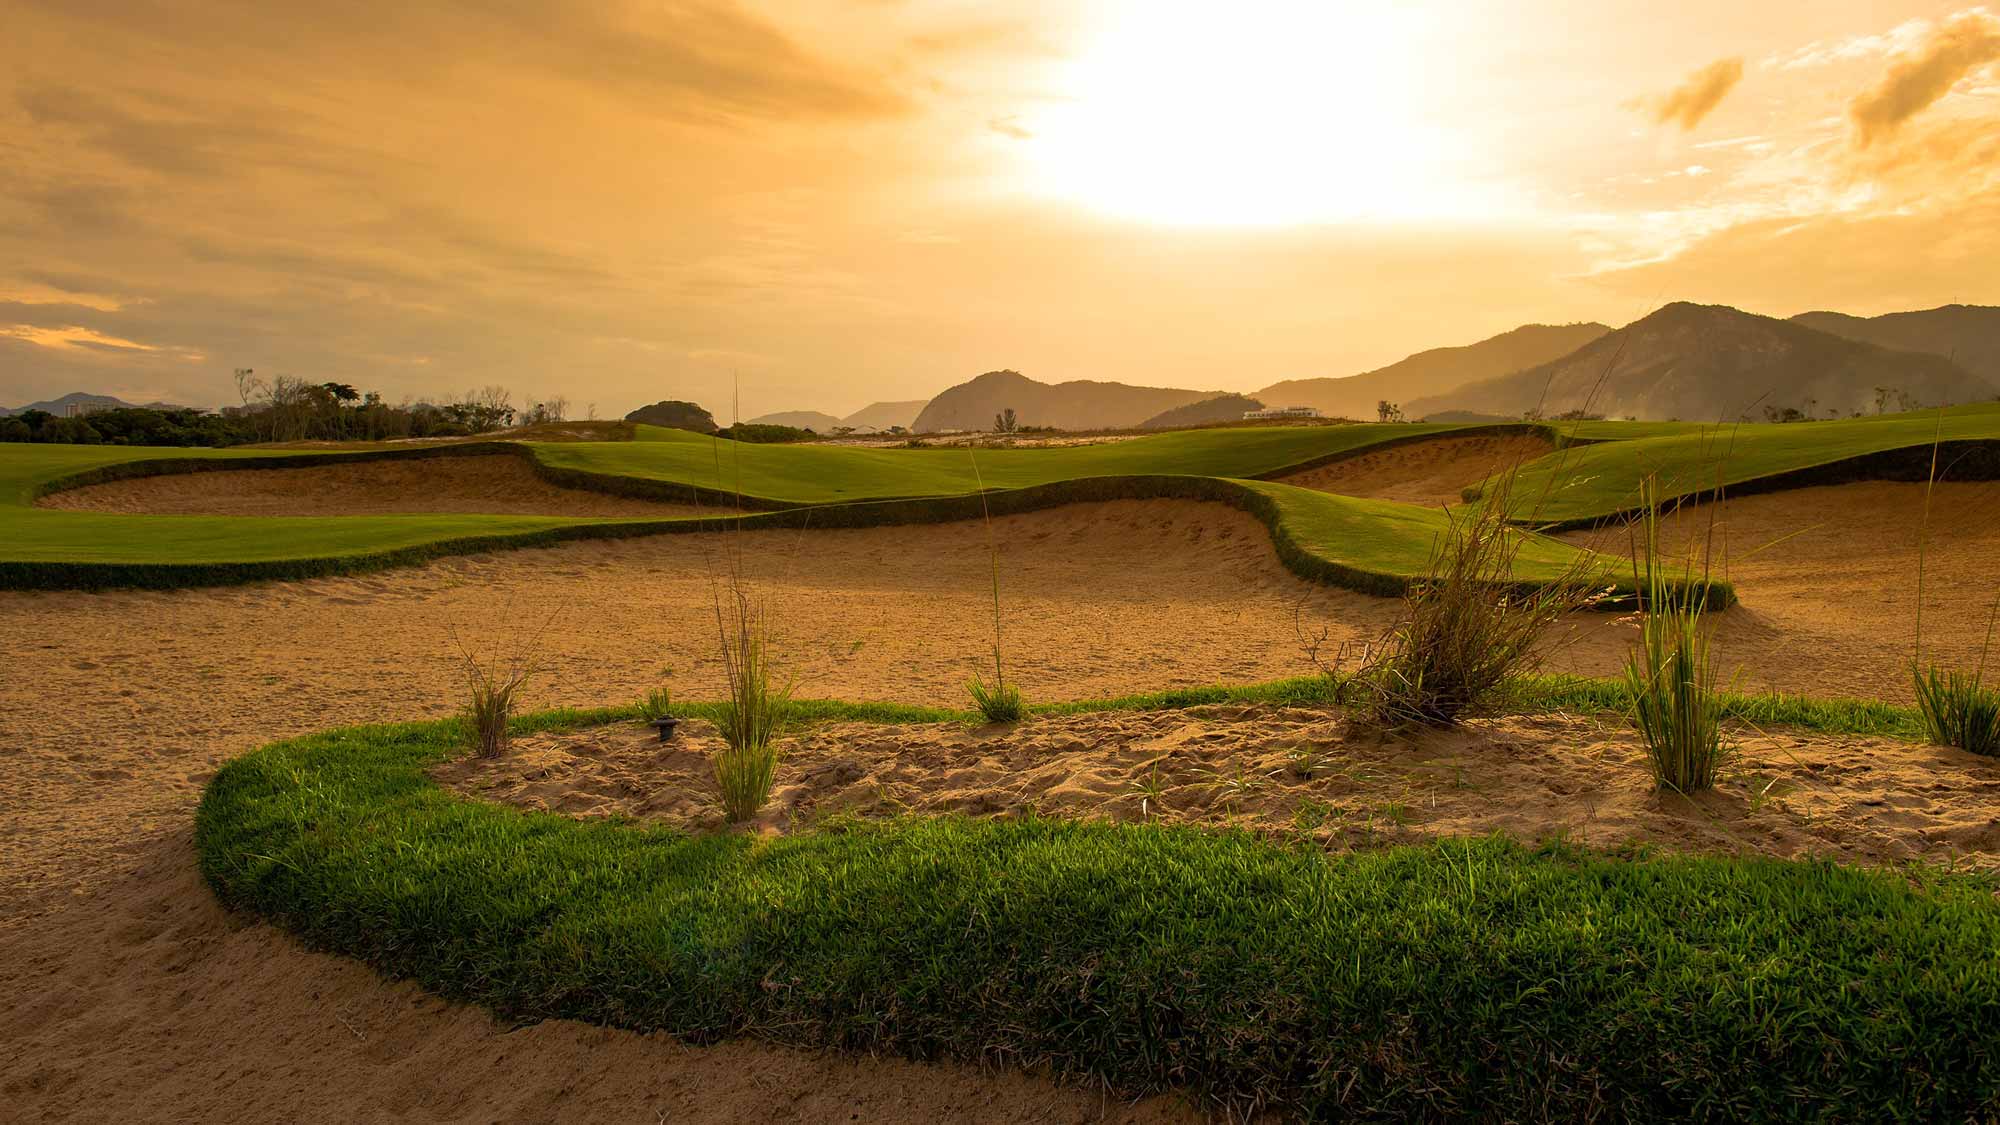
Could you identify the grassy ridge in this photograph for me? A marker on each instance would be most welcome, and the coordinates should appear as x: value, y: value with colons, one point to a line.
x: 822, y: 474
x: 1369, y: 545
x: 1374, y: 546
x: 1461, y: 979
x: 1588, y: 483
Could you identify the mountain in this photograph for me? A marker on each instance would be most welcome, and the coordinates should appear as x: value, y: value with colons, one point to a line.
x: 885, y: 415
x: 1715, y: 363
x: 800, y: 420
x: 60, y: 406
x: 1221, y: 408
x: 1433, y: 372
x: 1968, y: 335
x: 1078, y: 405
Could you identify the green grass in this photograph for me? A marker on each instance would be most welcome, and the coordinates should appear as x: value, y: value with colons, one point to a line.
x: 1533, y: 694
x: 1456, y: 979
x: 1587, y: 483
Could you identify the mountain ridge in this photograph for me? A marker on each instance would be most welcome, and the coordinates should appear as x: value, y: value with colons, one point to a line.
x: 1715, y: 362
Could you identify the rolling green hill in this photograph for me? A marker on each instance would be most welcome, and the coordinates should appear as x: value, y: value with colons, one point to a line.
x: 1370, y: 545
x: 1588, y: 483
x: 1365, y: 544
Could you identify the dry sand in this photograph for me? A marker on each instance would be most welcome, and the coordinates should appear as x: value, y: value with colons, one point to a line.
x: 490, y: 485
x: 1276, y: 769
x: 1431, y: 472
x: 1828, y: 582
x: 144, y: 1000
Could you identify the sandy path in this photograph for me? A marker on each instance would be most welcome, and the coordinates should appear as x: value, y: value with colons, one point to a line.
x: 1430, y: 472
x: 488, y: 485
x: 1585, y: 779
x: 146, y: 1000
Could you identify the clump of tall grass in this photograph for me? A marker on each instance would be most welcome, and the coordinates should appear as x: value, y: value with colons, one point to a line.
x: 658, y: 703
x: 998, y: 702
x: 1469, y: 626
x: 491, y: 690
x: 1669, y: 676
x: 747, y: 764
x: 1959, y: 710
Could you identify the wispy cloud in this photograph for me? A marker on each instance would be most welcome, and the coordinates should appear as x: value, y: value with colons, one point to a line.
x: 74, y: 337
x: 1920, y: 78
x: 1696, y: 97
x: 36, y: 293
x: 1010, y: 126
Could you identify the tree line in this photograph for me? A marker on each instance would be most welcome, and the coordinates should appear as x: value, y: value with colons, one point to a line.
x: 288, y: 409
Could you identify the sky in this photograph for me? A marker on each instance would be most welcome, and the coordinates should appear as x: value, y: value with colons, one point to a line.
x: 817, y: 204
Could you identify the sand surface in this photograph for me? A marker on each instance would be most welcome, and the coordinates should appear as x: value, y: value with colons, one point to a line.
x: 486, y: 485
x: 1585, y: 779
x: 1828, y: 581
x: 1431, y: 472
x: 146, y: 1001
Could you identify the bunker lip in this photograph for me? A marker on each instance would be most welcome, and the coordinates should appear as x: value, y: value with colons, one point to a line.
x: 1432, y: 471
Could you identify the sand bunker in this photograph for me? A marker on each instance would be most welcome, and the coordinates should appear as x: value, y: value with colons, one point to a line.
x: 1828, y: 581
x: 1430, y: 472
x: 1276, y: 769
x: 145, y: 999
x: 496, y: 484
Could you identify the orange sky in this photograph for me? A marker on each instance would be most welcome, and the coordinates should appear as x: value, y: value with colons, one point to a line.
x: 828, y: 203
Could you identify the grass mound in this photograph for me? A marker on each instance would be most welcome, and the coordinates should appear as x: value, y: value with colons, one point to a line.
x: 1457, y: 979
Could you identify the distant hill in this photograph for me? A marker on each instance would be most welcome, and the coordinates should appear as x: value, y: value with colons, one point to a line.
x: 885, y: 415
x: 675, y: 414
x: 1968, y: 335
x: 1221, y: 408
x: 60, y: 406
x: 800, y: 420
x: 1715, y: 363
x: 1079, y: 405
x: 1433, y: 372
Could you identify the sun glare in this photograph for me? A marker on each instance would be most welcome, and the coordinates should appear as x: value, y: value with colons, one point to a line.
x: 1256, y: 113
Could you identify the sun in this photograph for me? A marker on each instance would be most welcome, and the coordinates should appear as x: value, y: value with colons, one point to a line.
x: 1259, y: 112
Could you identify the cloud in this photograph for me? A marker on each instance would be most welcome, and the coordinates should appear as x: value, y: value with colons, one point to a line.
x: 1920, y: 78
x: 71, y: 337
x: 28, y: 292
x: 686, y: 59
x: 1696, y: 97
x: 1010, y: 126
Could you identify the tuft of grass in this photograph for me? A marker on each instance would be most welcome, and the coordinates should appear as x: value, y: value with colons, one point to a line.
x: 1000, y: 702
x: 1451, y: 980
x: 750, y: 718
x: 1669, y: 676
x: 1468, y: 626
x: 658, y: 704
x: 1958, y: 710
x: 491, y: 689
